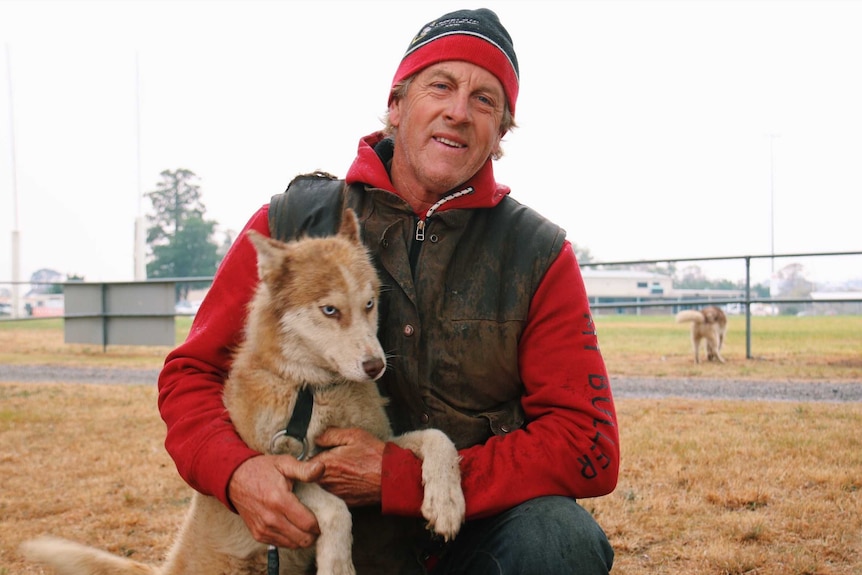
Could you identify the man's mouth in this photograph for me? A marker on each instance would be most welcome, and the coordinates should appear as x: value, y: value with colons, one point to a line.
x: 449, y: 143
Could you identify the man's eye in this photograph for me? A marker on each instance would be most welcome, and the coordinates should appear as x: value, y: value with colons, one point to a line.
x: 487, y: 101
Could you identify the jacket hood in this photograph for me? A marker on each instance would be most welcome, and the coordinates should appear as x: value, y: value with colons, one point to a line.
x: 370, y: 167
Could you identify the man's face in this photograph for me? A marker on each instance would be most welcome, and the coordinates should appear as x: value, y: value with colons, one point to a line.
x: 448, y: 125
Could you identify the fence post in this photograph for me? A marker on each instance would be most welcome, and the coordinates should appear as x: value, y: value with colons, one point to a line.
x: 103, y: 311
x: 747, y: 307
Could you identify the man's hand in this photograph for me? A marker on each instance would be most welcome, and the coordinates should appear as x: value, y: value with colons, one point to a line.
x: 261, y: 490
x: 354, y: 463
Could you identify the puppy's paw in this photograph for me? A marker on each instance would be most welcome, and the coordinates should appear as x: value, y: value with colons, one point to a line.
x: 346, y: 569
x: 444, y: 507
x: 330, y: 566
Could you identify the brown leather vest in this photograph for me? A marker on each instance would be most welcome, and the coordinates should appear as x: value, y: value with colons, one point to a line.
x: 450, y: 325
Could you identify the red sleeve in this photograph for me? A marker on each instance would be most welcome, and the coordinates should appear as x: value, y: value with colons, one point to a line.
x: 570, y: 445
x: 200, y: 436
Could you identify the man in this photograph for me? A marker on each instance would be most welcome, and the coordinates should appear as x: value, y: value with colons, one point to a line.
x: 488, y: 329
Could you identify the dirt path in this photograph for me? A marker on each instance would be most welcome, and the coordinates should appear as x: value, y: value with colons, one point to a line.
x: 734, y: 389
x: 634, y: 387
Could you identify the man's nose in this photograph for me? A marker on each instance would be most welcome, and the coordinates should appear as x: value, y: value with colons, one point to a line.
x: 458, y: 109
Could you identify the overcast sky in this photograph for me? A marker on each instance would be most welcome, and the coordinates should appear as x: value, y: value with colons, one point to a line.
x: 648, y: 129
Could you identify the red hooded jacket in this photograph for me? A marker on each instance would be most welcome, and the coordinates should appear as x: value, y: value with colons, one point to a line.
x: 570, y: 445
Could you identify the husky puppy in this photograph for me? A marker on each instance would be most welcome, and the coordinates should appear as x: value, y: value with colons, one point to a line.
x: 312, y: 323
x: 708, y: 324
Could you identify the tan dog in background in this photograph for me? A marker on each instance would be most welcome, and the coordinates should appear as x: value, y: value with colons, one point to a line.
x: 312, y: 322
x: 708, y: 324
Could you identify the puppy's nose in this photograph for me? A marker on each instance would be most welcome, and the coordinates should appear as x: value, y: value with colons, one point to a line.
x: 372, y: 367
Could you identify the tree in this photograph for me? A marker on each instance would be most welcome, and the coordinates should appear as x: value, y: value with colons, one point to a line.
x: 180, y: 238
x: 760, y: 290
x: 790, y: 282
x: 692, y: 278
x: 582, y: 254
x: 46, y: 281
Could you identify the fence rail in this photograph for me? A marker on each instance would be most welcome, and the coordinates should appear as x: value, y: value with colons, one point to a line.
x: 105, y: 314
x: 746, y: 301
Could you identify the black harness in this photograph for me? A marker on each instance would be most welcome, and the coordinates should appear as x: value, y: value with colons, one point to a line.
x: 297, y: 425
x: 297, y: 428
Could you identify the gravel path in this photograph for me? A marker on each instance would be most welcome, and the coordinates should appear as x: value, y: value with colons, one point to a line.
x: 735, y: 389
x: 624, y: 387
x: 69, y: 374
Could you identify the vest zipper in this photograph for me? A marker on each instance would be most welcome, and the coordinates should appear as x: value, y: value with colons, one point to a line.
x: 420, y: 223
x: 419, y: 234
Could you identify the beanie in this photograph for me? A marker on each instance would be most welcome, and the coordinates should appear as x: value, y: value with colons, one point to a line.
x: 474, y: 36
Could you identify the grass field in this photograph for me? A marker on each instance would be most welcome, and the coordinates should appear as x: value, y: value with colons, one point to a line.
x: 706, y: 487
x: 783, y: 348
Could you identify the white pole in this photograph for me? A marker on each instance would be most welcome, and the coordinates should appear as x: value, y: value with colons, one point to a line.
x: 772, y: 199
x: 16, y: 273
x: 773, y: 283
x: 16, y: 234
x: 140, y: 225
x: 140, y: 242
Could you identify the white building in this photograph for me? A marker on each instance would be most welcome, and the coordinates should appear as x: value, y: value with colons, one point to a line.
x: 607, y: 287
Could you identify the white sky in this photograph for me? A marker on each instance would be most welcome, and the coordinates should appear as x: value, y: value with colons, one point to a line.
x: 644, y: 125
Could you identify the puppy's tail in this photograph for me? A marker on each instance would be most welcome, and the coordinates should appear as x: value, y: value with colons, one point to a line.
x: 690, y: 315
x: 69, y: 558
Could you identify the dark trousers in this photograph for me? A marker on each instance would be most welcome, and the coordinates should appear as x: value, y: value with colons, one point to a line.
x: 543, y: 536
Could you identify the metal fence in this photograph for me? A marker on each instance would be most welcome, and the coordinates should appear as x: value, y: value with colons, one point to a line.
x: 139, y: 311
x: 746, y: 301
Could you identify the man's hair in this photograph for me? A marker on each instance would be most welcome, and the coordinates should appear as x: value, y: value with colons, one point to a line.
x: 399, y: 91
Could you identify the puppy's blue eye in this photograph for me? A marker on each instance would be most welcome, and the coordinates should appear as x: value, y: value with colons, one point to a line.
x: 370, y: 305
x: 329, y: 310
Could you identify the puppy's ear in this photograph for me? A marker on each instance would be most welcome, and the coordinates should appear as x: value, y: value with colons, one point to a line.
x: 349, y: 226
x: 271, y: 253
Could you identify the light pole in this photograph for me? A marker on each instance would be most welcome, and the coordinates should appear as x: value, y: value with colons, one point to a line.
x: 16, y: 234
x: 772, y: 199
x: 140, y: 264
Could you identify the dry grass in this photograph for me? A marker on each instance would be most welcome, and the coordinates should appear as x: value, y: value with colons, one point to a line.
x: 783, y: 348
x: 707, y: 487
x: 85, y: 462
x: 734, y: 488
x: 36, y: 342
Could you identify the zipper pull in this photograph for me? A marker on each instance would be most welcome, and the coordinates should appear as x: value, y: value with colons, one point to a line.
x: 420, y: 230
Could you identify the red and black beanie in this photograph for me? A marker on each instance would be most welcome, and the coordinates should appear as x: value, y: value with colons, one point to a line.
x: 474, y: 36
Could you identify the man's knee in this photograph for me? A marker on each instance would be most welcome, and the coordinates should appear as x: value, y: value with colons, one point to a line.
x: 558, y: 533
x: 543, y: 535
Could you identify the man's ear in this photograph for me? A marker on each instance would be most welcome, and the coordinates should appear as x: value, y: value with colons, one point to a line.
x: 395, y: 112
x: 497, y: 151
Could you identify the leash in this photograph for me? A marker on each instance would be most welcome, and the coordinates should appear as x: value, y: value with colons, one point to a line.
x: 297, y: 428
x: 272, y: 560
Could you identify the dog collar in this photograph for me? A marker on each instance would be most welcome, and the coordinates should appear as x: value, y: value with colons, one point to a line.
x: 297, y: 425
